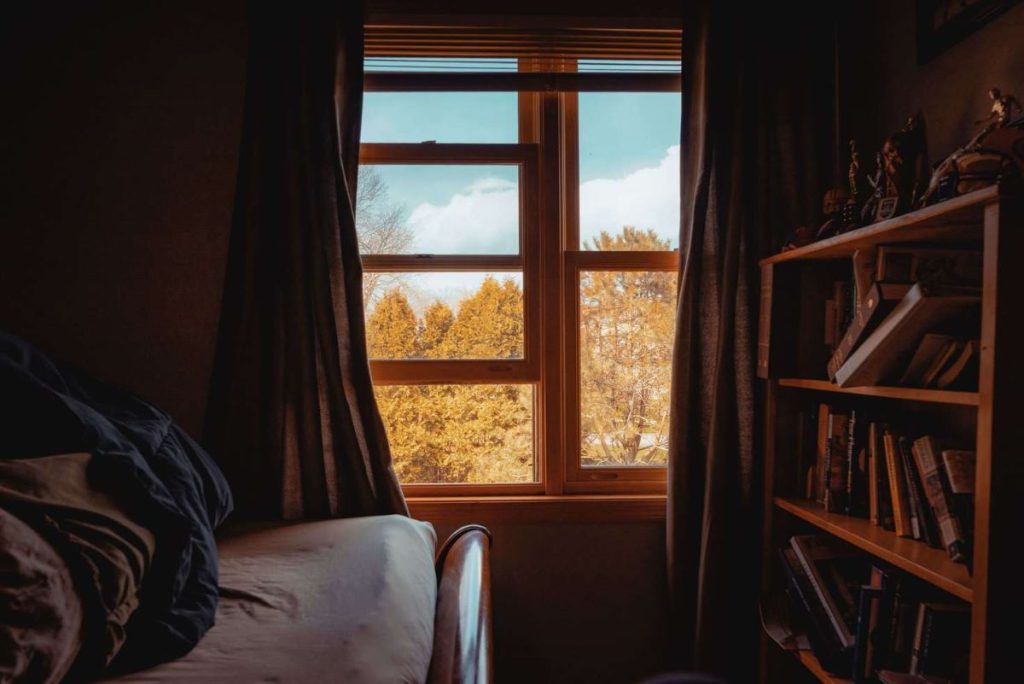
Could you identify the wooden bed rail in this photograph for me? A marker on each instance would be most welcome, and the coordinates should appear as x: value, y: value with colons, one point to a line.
x: 462, y: 623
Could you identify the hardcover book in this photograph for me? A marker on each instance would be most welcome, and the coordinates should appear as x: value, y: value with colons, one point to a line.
x: 897, y: 486
x: 836, y: 572
x: 919, y: 312
x: 940, y: 498
x: 878, y: 302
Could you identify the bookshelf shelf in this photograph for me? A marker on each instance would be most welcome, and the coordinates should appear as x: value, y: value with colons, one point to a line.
x: 957, y: 220
x: 814, y: 667
x: 903, y: 393
x: 917, y: 558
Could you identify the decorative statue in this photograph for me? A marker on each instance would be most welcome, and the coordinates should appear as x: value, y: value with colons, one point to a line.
x: 832, y: 206
x: 1002, y: 111
x: 904, y: 160
x: 994, y: 153
x: 870, y: 209
x: 858, y: 184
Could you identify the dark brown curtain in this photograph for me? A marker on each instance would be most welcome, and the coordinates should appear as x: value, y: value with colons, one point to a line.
x: 753, y: 111
x: 292, y: 415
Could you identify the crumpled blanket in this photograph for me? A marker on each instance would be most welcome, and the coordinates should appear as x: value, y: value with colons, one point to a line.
x: 166, y: 486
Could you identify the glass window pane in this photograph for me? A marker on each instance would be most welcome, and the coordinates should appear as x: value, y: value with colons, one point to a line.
x: 438, y: 209
x: 407, y: 117
x: 627, y: 324
x: 629, y: 170
x: 444, y: 315
x: 470, y: 434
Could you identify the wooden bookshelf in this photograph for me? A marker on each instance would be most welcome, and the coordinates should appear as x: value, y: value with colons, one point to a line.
x: 792, y: 358
x: 903, y: 393
x: 932, y: 565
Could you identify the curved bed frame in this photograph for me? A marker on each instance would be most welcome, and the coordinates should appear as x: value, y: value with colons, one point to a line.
x: 462, y: 623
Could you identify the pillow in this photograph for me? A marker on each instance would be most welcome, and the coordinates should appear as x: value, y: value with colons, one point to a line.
x: 40, y: 611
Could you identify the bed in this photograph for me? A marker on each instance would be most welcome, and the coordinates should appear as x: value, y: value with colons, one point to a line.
x: 356, y: 600
x: 117, y: 559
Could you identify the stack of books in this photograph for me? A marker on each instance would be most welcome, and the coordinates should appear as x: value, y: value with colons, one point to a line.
x: 909, y: 317
x: 921, y: 488
x: 870, y: 622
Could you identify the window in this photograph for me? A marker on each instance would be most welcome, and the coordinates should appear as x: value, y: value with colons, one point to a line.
x: 520, y: 255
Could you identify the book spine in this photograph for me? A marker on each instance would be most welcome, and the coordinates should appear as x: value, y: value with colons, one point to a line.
x: 908, y: 478
x: 939, y: 499
x: 873, y: 477
x: 897, y: 487
x: 851, y: 462
x: 926, y: 519
x: 764, y: 323
x: 835, y: 617
x: 853, y: 334
x: 835, y: 491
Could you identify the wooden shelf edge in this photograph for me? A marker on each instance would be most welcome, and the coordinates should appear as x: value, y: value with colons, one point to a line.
x: 882, y: 392
x: 810, y: 661
x: 579, y: 508
x: 931, y: 565
x: 939, y: 215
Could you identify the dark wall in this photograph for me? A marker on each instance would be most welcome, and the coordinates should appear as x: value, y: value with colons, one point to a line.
x: 577, y: 603
x: 885, y: 84
x: 120, y: 139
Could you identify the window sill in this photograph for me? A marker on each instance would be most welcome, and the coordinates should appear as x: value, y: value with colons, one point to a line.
x: 539, y: 509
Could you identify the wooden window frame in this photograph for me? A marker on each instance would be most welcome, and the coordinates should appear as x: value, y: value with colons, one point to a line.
x: 550, y: 259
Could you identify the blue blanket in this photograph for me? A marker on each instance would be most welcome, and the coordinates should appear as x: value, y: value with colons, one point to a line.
x: 49, y: 408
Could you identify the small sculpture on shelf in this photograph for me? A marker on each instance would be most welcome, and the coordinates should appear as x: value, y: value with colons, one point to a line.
x: 832, y: 206
x: 877, y: 183
x: 857, y: 178
x: 994, y: 153
x: 905, y: 163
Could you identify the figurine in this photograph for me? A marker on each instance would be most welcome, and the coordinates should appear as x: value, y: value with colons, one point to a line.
x: 994, y: 153
x: 870, y: 208
x: 904, y: 160
x: 832, y: 206
x: 1001, y: 114
x: 857, y: 180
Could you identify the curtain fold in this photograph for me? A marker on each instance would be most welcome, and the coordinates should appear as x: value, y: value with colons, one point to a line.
x: 754, y: 113
x: 292, y: 415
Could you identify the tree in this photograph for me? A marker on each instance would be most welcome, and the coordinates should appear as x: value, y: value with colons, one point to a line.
x: 380, y: 228
x: 455, y: 433
x: 626, y: 329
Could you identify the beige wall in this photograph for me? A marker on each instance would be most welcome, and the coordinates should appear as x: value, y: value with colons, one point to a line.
x: 115, y: 215
x: 884, y: 84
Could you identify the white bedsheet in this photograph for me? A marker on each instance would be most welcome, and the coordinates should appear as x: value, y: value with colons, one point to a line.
x: 334, y: 601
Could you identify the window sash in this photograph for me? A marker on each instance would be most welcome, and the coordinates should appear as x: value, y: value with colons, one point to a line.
x: 488, y: 371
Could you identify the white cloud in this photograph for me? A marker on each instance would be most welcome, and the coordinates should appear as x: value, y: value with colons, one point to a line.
x: 483, y: 218
x: 646, y: 198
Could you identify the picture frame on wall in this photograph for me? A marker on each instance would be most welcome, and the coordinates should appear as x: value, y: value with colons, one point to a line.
x: 943, y: 23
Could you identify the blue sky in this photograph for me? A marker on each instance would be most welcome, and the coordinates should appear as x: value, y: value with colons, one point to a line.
x: 629, y: 171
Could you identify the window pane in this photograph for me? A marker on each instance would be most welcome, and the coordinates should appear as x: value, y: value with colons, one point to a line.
x: 438, y: 209
x: 443, y: 117
x: 459, y: 433
x: 444, y: 315
x: 629, y: 169
x: 627, y: 323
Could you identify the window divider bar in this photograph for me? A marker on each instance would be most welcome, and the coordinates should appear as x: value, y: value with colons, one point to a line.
x: 453, y: 371
x: 550, y: 82
x: 630, y: 261
x: 446, y: 153
x: 424, y: 263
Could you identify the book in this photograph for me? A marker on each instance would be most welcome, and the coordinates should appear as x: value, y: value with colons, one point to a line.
x: 863, y: 276
x: 963, y: 370
x: 856, y: 465
x: 822, y: 452
x: 897, y: 486
x: 879, y: 301
x: 880, y: 479
x: 927, y: 456
x: 835, y: 571
x: 950, y: 350
x: 932, y: 265
x: 941, y: 640
x: 931, y: 346
x: 835, y: 462
x: 811, y: 616
x: 867, y: 608
x: 919, y: 312
x: 927, y: 528
x: 958, y: 465
x: 890, y: 677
